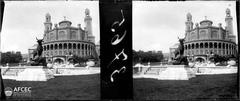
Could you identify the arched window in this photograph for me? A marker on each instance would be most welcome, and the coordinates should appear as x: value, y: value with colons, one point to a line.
x: 86, y: 46
x: 74, y: 46
x: 219, y: 45
x: 65, y: 45
x: 51, y: 36
x: 56, y: 46
x: 78, y: 46
x: 51, y: 47
x: 210, y: 45
x: 60, y: 46
x: 197, y: 46
x: 61, y: 35
x: 82, y: 46
x: 73, y: 35
x: 206, y: 45
x: 214, y: 35
x: 47, y: 47
x: 69, y: 46
x: 215, y: 45
x: 202, y: 34
x: 193, y: 36
x: 223, y: 35
x: 44, y: 48
x: 201, y: 45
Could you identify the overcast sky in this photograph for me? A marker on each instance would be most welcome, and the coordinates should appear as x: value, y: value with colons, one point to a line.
x: 23, y: 20
x: 156, y: 25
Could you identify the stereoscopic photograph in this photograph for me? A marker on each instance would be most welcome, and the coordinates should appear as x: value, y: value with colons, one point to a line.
x: 50, y: 50
x: 150, y: 50
x: 185, y: 50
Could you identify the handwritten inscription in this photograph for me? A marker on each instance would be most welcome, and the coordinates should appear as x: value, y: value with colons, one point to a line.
x: 117, y: 38
x: 117, y: 57
x: 115, y: 27
x: 123, y: 69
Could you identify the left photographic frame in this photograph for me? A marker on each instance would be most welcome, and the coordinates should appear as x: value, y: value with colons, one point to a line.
x: 50, y: 50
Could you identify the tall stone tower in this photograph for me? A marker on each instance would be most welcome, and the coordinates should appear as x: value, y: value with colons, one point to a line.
x: 229, y: 25
x: 189, y: 26
x: 189, y: 23
x: 47, y: 23
x: 88, y: 25
x: 228, y: 21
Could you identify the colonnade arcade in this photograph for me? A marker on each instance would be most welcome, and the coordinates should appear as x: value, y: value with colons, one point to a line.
x: 62, y: 49
x: 214, y: 47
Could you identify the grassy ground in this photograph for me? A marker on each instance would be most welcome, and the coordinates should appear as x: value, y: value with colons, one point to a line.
x: 201, y: 87
x: 84, y: 87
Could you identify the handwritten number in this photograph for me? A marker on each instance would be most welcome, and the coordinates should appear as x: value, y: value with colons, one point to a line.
x: 117, y: 22
x: 116, y: 37
x: 118, y: 40
x: 118, y: 55
x: 115, y: 40
x: 122, y: 17
x: 123, y: 69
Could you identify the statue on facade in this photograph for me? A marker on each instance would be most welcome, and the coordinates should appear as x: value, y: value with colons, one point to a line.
x: 37, y: 59
x: 179, y: 59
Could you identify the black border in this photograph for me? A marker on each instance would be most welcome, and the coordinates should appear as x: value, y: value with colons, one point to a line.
x: 122, y: 86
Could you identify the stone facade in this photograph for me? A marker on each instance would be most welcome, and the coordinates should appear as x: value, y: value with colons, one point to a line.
x: 64, y: 40
x: 205, y: 39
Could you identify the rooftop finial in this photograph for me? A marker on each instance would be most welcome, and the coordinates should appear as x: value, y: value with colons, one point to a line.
x: 205, y: 17
x: 64, y: 17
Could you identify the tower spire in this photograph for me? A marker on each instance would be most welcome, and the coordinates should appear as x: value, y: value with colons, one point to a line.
x: 228, y: 20
x: 88, y: 25
x: 189, y: 23
x: 47, y: 23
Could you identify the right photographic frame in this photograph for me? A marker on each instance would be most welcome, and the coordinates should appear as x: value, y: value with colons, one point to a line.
x: 185, y: 50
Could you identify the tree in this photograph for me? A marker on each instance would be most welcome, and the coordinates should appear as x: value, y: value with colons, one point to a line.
x: 152, y: 56
x: 11, y: 57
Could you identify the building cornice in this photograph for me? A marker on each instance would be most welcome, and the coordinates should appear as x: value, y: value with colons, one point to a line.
x: 62, y: 41
x: 206, y: 27
x: 209, y: 40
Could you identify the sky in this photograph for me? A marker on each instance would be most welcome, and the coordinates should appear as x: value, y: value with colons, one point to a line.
x: 23, y: 21
x: 156, y: 25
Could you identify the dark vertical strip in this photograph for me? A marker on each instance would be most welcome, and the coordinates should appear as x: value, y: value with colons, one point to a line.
x: 238, y: 29
x: 1, y: 19
x: 116, y: 49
